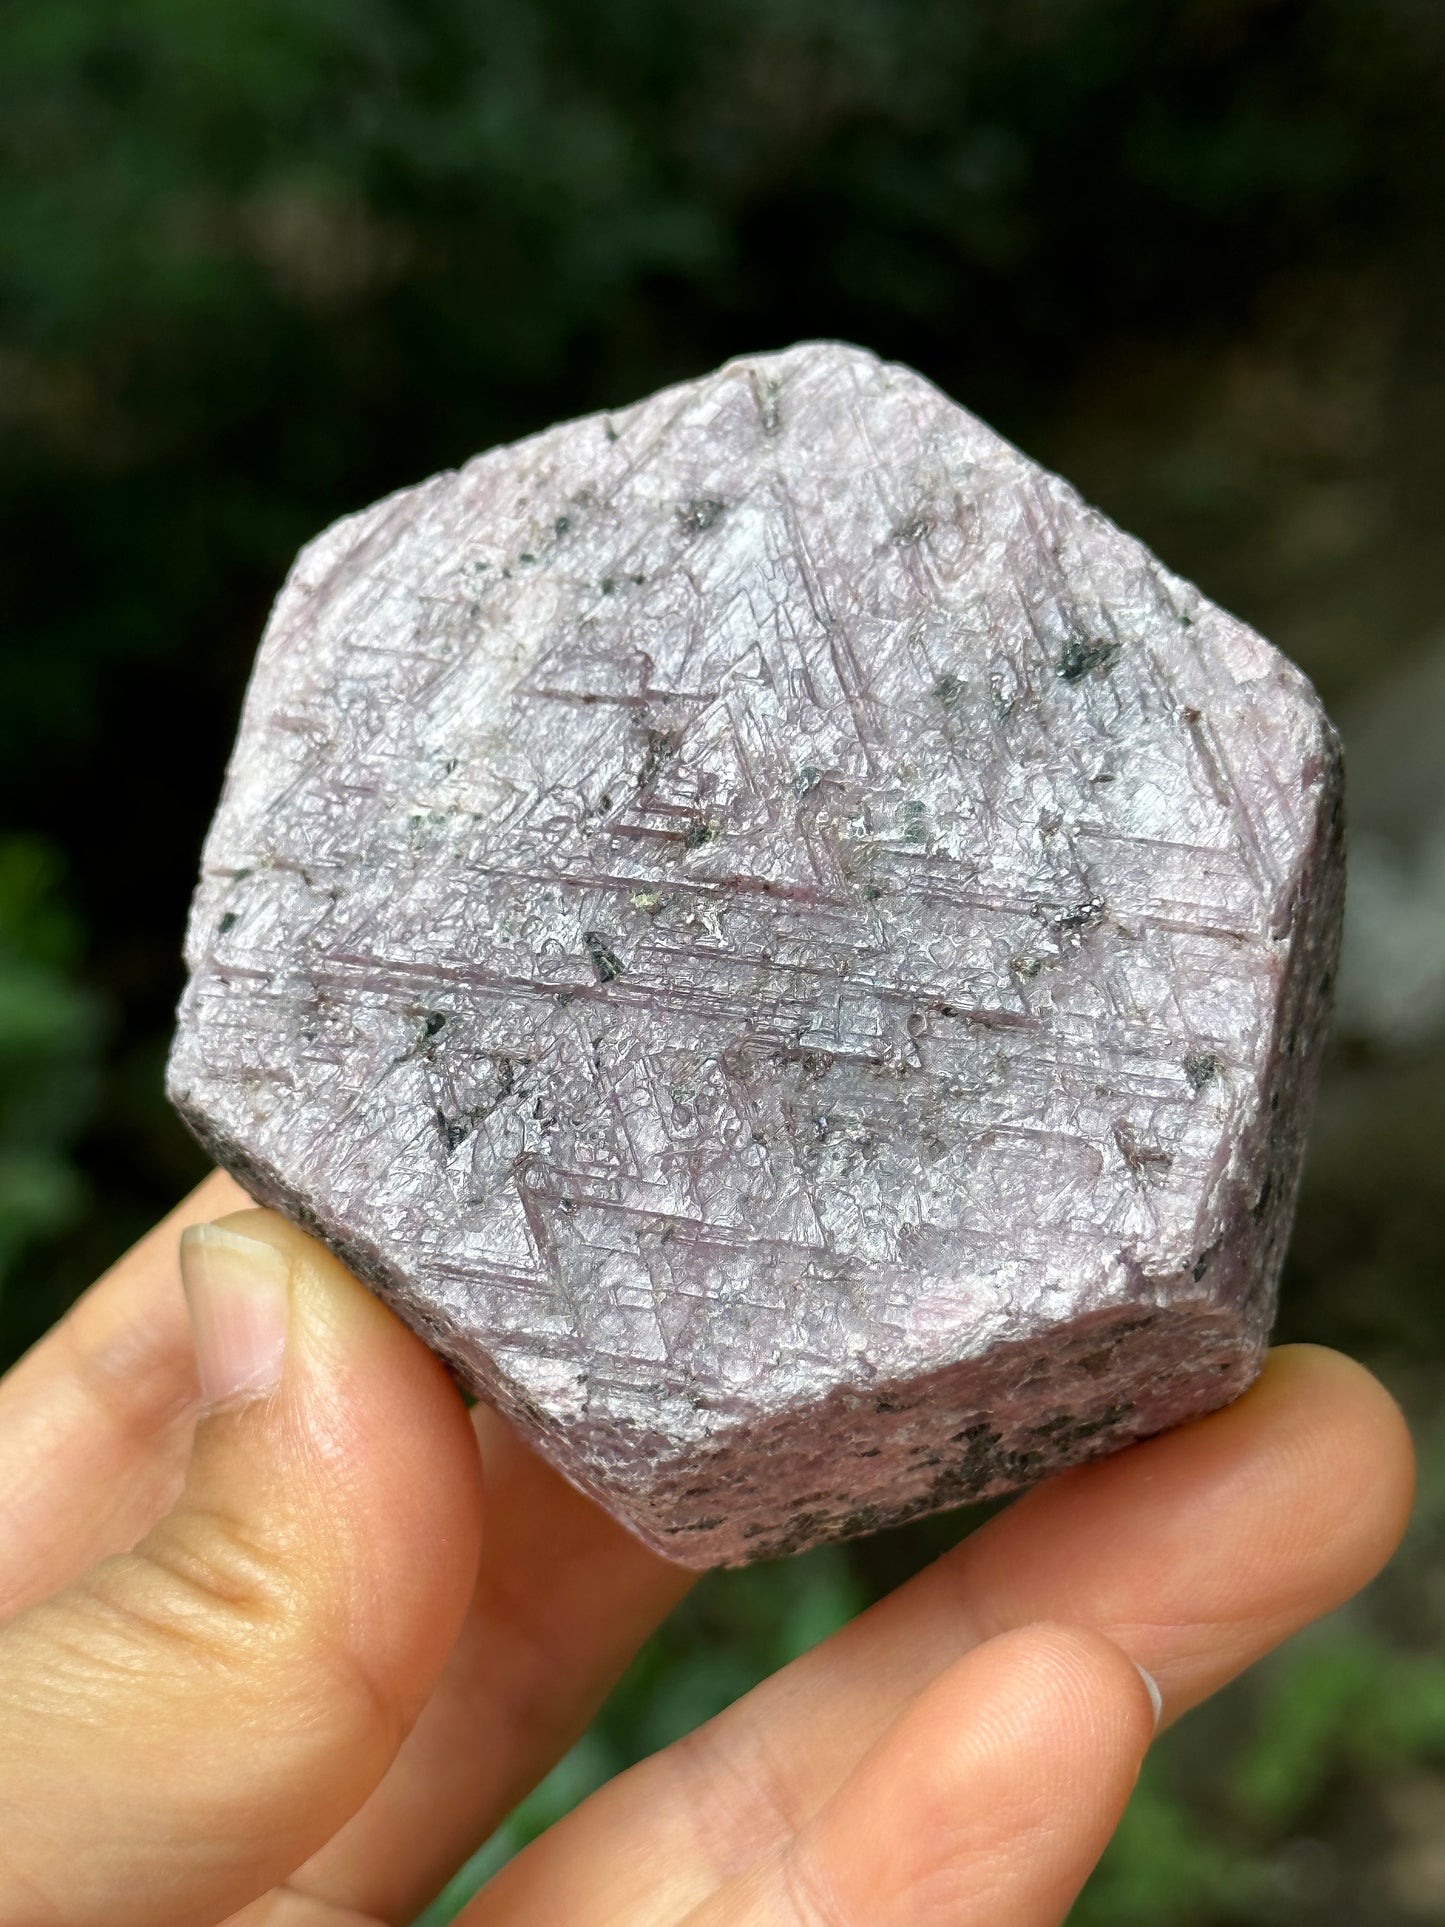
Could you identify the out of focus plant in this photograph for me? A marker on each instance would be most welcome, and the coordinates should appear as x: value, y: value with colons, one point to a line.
x: 1166, y: 1867
x: 49, y: 1032
x: 262, y: 259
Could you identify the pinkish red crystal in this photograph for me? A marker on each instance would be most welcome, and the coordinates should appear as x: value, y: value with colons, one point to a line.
x: 784, y: 944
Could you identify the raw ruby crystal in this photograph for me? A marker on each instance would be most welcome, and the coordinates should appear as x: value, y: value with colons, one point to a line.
x: 785, y: 945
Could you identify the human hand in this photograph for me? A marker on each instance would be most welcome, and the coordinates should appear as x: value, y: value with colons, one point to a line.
x: 287, y: 1662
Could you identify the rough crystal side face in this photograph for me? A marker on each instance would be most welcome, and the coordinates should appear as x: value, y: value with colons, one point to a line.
x: 787, y: 946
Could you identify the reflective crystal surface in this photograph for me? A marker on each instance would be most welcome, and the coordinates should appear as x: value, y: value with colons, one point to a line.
x: 788, y: 947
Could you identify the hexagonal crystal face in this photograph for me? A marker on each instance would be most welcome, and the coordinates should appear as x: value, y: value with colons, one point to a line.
x: 787, y: 946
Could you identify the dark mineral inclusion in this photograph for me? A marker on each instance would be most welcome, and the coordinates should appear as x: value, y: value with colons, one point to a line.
x: 786, y: 946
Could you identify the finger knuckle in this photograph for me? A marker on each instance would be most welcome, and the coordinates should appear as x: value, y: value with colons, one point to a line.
x: 210, y: 1601
x: 740, y: 1796
x: 809, y: 1895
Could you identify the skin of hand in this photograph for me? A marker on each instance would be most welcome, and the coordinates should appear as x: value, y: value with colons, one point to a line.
x: 285, y: 1632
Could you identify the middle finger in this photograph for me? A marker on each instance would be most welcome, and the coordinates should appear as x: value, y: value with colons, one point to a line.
x: 1195, y: 1553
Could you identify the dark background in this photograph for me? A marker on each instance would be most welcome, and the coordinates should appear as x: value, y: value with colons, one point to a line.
x: 264, y: 260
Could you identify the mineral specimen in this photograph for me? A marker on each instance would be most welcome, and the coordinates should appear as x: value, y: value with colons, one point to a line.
x: 786, y: 946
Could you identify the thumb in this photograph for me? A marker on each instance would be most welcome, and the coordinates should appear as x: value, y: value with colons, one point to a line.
x: 189, y: 1722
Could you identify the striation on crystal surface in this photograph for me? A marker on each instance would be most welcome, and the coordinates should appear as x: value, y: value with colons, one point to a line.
x: 784, y: 944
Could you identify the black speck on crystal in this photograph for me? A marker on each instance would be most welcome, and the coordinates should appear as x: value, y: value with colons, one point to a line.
x: 910, y: 533
x: 605, y: 960
x: 1079, y: 658
x: 701, y: 514
x: 1201, y: 1069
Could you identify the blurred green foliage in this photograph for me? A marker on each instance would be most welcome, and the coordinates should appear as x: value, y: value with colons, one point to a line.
x: 262, y: 260
x: 49, y: 1036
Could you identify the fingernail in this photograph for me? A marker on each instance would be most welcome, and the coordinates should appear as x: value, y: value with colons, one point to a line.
x: 1156, y: 1698
x: 238, y: 1292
